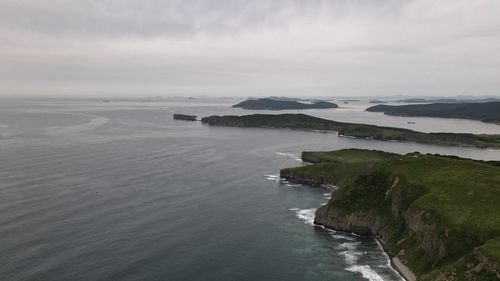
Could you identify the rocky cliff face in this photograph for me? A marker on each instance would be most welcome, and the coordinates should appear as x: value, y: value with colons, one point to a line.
x: 477, y: 268
x: 361, y: 222
x: 484, y: 264
x: 422, y: 239
x: 291, y: 176
x: 412, y: 203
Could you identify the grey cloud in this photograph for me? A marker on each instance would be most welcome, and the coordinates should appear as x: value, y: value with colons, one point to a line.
x: 307, y: 47
x: 147, y: 18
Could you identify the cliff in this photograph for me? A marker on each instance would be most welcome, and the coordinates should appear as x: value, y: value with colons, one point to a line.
x: 438, y: 215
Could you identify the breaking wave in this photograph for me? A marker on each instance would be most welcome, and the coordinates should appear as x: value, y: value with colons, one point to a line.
x: 294, y: 156
x: 352, y: 254
x: 281, y: 181
x: 306, y: 215
x: 366, y: 271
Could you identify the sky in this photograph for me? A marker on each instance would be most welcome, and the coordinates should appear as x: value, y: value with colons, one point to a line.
x: 249, y: 48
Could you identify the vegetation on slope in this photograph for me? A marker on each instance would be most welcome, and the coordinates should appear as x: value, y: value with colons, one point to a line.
x: 486, y: 112
x: 272, y: 104
x: 438, y: 214
x: 302, y: 121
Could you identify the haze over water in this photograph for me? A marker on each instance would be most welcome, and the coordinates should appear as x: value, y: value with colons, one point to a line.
x: 120, y: 191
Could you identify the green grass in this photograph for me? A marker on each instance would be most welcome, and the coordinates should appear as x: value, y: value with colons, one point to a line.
x: 347, y: 156
x: 491, y: 249
x: 457, y: 200
x: 462, y: 193
x: 337, y: 167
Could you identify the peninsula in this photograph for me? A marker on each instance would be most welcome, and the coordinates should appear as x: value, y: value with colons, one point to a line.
x: 485, y: 111
x: 306, y: 122
x: 273, y: 104
x: 438, y: 215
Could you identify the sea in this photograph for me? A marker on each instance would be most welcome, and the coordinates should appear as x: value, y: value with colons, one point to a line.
x: 118, y: 190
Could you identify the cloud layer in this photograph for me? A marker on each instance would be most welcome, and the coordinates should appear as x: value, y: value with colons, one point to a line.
x: 234, y: 47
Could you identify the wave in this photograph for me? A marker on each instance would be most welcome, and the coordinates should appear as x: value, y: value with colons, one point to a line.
x: 388, y: 263
x: 352, y: 254
x: 366, y: 271
x: 274, y: 177
x: 350, y: 248
x: 283, y: 182
x: 342, y: 237
x: 294, y: 156
x: 307, y: 215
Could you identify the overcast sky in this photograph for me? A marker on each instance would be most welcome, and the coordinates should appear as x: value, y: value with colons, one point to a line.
x: 249, y: 48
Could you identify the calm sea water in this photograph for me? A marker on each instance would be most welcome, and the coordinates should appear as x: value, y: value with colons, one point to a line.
x: 120, y: 191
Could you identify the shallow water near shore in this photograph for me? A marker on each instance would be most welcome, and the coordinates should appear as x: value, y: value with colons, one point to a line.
x: 120, y: 191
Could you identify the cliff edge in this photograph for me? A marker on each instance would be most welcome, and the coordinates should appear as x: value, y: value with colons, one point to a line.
x: 438, y: 215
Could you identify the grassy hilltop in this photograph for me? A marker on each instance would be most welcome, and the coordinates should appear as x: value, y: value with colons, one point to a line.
x: 273, y: 104
x: 440, y: 215
x: 486, y: 111
x: 302, y: 121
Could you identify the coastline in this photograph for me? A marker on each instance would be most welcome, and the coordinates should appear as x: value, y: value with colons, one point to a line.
x: 403, y: 269
x: 396, y: 263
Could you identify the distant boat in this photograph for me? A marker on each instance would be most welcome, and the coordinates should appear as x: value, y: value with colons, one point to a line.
x: 411, y: 122
x: 105, y: 100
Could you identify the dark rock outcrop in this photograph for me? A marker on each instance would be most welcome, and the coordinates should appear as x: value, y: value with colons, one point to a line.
x: 185, y: 117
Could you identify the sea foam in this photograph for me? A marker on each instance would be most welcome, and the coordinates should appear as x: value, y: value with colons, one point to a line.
x: 278, y: 179
x: 366, y: 271
x: 306, y: 215
x: 352, y: 256
x: 294, y: 156
x: 275, y: 177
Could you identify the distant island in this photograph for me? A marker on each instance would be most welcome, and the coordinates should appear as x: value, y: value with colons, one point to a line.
x: 306, y: 122
x: 437, y: 216
x: 485, y: 112
x: 418, y: 100
x: 185, y: 117
x: 273, y: 104
x: 349, y: 100
x: 377, y: 101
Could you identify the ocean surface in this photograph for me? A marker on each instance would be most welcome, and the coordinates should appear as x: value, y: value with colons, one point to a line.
x: 93, y: 190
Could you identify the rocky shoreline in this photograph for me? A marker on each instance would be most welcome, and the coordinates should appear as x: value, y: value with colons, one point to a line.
x: 395, y: 262
x: 376, y: 197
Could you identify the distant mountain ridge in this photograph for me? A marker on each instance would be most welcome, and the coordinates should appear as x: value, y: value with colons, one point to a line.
x: 272, y: 104
x: 485, y: 112
x: 443, y: 100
